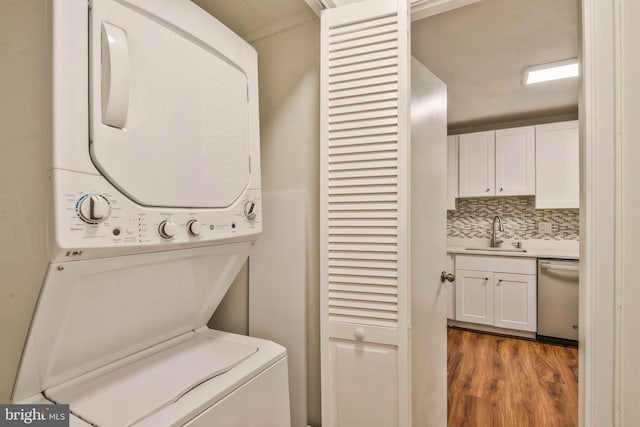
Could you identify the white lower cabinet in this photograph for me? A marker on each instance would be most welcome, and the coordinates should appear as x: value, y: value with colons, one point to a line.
x: 496, y: 291
x: 474, y: 296
x: 515, y: 301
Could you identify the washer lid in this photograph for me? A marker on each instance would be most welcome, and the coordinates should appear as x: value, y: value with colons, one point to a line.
x: 93, y: 313
x: 135, y: 391
x: 170, y: 122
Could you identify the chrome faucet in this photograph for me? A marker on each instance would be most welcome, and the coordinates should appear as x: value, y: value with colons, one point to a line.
x: 495, y: 242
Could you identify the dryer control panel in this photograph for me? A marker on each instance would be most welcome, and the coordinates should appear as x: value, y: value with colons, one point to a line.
x: 94, y: 219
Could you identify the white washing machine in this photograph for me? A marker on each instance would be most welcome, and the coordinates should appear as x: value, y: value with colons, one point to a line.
x: 155, y: 205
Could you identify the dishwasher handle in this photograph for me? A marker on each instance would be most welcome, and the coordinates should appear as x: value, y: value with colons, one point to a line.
x: 565, y: 267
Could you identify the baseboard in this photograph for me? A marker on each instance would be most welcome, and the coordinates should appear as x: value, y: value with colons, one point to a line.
x: 491, y: 329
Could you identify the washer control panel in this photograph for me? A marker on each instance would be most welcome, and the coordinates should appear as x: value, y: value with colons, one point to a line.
x: 90, y: 213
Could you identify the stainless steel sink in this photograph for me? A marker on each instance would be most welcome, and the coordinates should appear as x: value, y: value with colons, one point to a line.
x: 496, y: 249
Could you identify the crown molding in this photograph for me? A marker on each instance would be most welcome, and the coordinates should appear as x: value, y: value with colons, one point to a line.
x: 420, y: 9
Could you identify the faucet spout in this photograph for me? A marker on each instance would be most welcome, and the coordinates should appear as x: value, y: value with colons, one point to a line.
x: 495, y: 242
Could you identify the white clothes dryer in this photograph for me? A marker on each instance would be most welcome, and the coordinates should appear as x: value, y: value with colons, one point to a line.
x: 155, y: 205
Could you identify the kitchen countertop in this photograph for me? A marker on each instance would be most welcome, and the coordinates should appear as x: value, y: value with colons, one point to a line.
x: 530, y: 253
x: 534, y: 248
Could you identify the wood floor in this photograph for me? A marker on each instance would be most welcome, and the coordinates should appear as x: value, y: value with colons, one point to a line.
x: 497, y: 381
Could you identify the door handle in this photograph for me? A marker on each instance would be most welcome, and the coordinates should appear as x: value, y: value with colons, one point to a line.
x: 115, y: 76
x: 444, y: 276
x: 551, y: 266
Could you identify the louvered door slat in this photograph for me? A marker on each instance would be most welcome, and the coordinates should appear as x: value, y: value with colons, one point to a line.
x: 363, y: 296
x: 363, y: 73
x: 381, y: 35
x: 350, y: 94
x: 376, y: 251
x: 369, y: 122
x: 390, y: 61
x: 366, y: 100
x: 363, y: 222
x: 370, y: 81
x: 385, y: 113
x: 389, y: 313
x: 335, y: 31
x: 370, y: 288
x: 349, y: 112
x: 356, y: 52
x: 362, y: 263
x: 362, y: 182
x: 339, y: 64
x: 388, y: 307
x: 361, y: 140
x: 363, y: 189
x: 363, y: 280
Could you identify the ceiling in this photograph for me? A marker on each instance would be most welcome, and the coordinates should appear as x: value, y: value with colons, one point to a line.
x: 253, y: 18
x: 478, y: 50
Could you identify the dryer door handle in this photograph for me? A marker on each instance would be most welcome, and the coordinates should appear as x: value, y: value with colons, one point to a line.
x: 115, y: 76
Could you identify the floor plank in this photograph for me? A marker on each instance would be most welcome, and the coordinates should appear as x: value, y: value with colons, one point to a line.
x: 497, y: 381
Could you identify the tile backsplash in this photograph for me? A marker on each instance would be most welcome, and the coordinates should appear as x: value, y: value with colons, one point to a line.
x: 473, y: 218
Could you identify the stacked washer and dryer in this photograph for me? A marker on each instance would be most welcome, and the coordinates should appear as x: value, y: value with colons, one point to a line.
x: 155, y: 205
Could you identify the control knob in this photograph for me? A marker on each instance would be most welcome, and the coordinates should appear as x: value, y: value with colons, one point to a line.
x: 94, y: 209
x: 194, y: 227
x: 250, y: 210
x: 167, y: 229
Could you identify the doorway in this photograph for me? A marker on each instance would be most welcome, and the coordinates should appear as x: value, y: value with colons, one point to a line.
x: 495, y: 99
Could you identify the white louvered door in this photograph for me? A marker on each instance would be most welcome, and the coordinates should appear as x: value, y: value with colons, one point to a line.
x: 365, y: 93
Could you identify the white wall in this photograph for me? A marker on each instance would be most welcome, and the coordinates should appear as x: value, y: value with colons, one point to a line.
x: 25, y: 123
x: 629, y: 156
x: 289, y: 73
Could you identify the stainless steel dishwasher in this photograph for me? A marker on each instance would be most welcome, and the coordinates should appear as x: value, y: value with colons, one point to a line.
x: 558, y: 300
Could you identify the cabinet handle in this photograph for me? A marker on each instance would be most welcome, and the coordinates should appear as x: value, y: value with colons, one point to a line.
x: 359, y: 334
x: 486, y: 278
x: 500, y: 188
x: 487, y: 190
x: 499, y: 281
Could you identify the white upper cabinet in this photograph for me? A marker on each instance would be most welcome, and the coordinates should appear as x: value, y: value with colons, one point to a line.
x: 497, y: 163
x: 515, y: 161
x: 477, y: 164
x: 557, y: 166
x: 452, y: 171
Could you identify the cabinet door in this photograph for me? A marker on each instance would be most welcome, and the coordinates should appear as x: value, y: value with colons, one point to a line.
x: 515, y: 161
x: 364, y: 208
x: 515, y: 301
x: 474, y: 296
x: 557, y: 166
x: 452, y: 171
x: 477, y: 164
x: 363, y: 383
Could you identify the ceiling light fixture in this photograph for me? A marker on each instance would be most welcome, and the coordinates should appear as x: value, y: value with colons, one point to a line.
x: 552, y: 71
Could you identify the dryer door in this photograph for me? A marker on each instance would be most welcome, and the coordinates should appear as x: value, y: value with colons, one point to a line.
x: 170, y: 122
